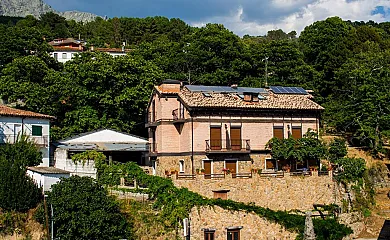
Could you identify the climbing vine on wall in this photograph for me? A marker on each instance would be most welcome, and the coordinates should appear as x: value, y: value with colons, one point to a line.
x: 176, y: 203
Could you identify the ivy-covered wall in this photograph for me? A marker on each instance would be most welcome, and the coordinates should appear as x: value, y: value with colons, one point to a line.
x: 286, y: 193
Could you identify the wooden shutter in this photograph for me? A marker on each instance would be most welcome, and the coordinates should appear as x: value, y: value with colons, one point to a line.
x: 296, y: 132
x: 235, y: 138
x: 215, y: 138
x: 270, y: 164
x: 207, y: 169
x: 278, y: 132
x: 232, y: 166
x: 221, y: 195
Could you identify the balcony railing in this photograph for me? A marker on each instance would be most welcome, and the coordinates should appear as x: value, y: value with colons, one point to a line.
x: 12, y: 138
x: 228, y: 145
x: 152, y: 148
x: 242, y: 175
x: 178, y: 115
x: 214, y: 176
x: 150, y: 120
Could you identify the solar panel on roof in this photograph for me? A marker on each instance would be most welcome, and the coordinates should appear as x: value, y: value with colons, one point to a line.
x: 251, y: 90
x: 288, y: 90
x: 226, y: 89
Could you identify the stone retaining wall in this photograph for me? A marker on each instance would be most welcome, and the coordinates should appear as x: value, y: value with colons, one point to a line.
x: 285, y: 193
x: 218, y: 219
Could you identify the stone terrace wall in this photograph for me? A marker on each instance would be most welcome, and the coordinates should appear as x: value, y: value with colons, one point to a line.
x: 253, y: 226
x: 286, y: 193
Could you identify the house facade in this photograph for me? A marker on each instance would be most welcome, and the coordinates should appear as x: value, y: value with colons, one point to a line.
x: 65, y: 49
x: 217, y: 129
x: 15, y: 122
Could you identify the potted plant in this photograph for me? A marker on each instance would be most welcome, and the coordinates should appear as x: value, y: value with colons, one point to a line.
x: 202, y: 171
x: 226, y: 170
x: 286, y: 168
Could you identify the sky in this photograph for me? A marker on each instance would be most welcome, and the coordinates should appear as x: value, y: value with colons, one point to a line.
x: 253, y: 17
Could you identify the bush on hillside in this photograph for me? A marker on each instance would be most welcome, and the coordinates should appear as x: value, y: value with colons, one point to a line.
x: 18, y: 192
x: 83, y: 210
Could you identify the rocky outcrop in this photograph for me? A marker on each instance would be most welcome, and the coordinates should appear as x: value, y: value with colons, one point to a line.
x: 22, y: 8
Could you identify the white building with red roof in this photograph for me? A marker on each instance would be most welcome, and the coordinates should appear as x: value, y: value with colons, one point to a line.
x: 15, y: 122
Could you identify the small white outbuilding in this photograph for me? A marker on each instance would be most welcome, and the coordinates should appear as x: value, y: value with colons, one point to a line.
x: 117, y: 146
x: 45, y: 177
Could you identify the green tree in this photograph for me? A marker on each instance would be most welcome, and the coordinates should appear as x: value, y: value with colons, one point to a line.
x: 83, y: 210
x: 18, y: 192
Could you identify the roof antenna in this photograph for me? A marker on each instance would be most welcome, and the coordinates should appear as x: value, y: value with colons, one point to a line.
x: 266, y: 71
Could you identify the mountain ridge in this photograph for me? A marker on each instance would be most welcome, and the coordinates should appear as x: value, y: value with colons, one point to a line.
x: 22, y: 8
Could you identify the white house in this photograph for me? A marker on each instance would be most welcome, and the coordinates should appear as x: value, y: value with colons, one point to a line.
x: 45, y: 177
x: 66, y: 48
x: 15, y: 122
x: 117, y: 146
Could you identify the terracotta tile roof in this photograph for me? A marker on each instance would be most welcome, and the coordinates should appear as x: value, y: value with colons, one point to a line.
x: 13, y: 112
x: 114, y: 50
x: 67, y: 49
x: 162, y: 90
x: 233, y: 101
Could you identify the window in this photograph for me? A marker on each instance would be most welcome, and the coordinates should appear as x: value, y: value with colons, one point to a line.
x: 181, y: 166
x: 270, y: 164
x: 215, y: 138
x: 64, y: 56
x: 278, y: 132
x: 36, y: 130
x: 297, y: 132
x: 56, y: 56
x: 209, y: 234
x: 233, y: 234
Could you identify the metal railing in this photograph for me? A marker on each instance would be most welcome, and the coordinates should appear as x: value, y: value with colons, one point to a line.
x: 228, y: 145
x: 323, y: 173
x: 12, y: 138
x: 241, y: 175
x: 301, y: 173
x: 152, y: 147
x: 278, y: 174
x: 178, y: 114
x: 214, y: 176
x: 185, y: 176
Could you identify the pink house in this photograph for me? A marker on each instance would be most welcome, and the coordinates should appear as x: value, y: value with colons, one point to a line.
x: 214, y: 129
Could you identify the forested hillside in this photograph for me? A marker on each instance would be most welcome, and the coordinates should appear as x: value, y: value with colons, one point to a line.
x: 345, y: 63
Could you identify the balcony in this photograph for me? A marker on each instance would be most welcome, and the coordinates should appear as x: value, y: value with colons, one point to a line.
x: 228, y: 146
x: 150, y: 120
x: 178, y: 115
x: 152, y: 149
x: 42, y: 141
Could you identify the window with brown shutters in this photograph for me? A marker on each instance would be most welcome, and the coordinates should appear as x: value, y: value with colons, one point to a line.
x: 232, y: 166
x: 278, y: 132
x: 235, y: 138
x: 233, y: 234
x: 296, y: 132
x: 207, y: 169
x: 209, y: 235
x: 215, y: 138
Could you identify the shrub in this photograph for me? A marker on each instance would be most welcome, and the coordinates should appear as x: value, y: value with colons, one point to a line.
x: 83, y: 210
x: 18, y: 192
x: 352, y: 169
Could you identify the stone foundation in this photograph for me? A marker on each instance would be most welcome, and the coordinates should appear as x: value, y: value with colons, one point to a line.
x: 282, y: 193
x: 218, y: 219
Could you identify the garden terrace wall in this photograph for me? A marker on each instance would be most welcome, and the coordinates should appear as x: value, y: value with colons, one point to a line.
x: 253, y: 226
x: 279, y: 193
